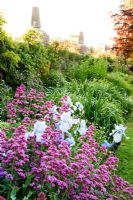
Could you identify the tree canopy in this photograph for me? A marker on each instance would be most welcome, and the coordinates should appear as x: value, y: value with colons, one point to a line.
x: 123, y: 25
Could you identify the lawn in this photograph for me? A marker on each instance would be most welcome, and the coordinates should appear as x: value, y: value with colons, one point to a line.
x: 125, y: 154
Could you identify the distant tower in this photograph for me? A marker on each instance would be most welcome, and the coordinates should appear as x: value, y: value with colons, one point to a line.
x: 36, y: 23
x: 77, y: 39
x: 35, y: 18
x: 81, y: 38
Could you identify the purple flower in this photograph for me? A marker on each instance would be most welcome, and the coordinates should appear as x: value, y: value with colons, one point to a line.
x: 9, y: 177
x: 2, y: 173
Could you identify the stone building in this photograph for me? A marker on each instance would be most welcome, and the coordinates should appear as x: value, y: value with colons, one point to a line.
x: 78, y: 41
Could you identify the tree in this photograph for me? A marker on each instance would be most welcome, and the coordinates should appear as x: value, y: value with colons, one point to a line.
x: 8, y: 58
x: 123, y: 25
x: 33, y: 53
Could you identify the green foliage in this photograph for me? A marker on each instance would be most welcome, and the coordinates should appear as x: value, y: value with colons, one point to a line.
x: 117, y: 78
x: 61, y: 57
x: 32, y: 36
x: 89, y: 68
x: 36, y: 53
x: 5, y: 96
x: 18, y: 60
x: 118, y: 64
x: 98, y: 68
x: 28, y: 57
x: 104, y: 103
x: 99, y: 135
x: 111, y: 64
x: 54, y: 79
x: 125, y: 154
x: 8, y: 58
x: 4, y: 125
x: 9, y: 66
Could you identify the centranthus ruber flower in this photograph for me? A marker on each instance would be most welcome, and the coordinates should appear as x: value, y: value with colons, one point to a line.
x: 51, y: 153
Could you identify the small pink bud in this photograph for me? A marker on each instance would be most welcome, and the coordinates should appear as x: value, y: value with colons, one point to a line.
x: 41, y: 196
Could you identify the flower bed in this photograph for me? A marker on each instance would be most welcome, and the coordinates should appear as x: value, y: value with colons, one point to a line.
x: 49, y: 149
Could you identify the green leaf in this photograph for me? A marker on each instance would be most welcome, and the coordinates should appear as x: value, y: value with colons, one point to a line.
x: 13, y: 194
x: 28, y: 196
x: 28, y: 181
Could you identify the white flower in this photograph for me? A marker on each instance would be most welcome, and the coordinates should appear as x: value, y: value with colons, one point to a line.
x: 79, y: 106
x: 66, y: 122
x: 75, y: 121
x: 120, y: 128
x: 82, y: 130
x: 4, y: 154
x: 117, y: 137
x: 28, y: 135
x: 39, y: 137
x: 64, y: 126
x: 70, y: 140
x: 66, y: 117
x: 54, y: 109
x: 69, y: 101
x: 39, y: 128
x: 118, y: 133
x: 54, y: 112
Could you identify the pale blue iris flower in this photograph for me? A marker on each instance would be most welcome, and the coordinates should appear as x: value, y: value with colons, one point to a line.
x: 39, y: 128
x: 82, y: 130
x: 70, y: 139
x: 107, y: 145
x: 79, y: 106
x: 118, y: 133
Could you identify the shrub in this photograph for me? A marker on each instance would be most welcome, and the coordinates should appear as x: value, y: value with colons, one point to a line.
x: 54, y: 79
x: 98, y: 69
x: 5, y: 95
x: 89, y: 68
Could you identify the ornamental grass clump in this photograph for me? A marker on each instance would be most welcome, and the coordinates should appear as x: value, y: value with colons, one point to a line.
x: 55, y: 156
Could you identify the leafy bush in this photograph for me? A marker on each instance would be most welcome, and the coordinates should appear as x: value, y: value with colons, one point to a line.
x: 8, y: 58
x: 98, y: 69
x: 55, y: 78
x: 5, y: 96
x: 89, y: 68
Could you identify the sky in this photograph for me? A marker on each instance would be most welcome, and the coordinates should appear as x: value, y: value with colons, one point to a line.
x: 62, y: 18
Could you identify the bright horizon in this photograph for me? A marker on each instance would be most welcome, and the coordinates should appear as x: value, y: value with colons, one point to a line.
x: 62, y: 18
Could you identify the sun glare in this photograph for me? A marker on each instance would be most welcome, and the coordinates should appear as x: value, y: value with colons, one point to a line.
x: 62, y: 18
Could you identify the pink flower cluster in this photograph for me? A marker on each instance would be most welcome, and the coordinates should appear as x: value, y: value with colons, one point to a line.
x: 25, y: 105
x: 84, y: 171
x: 77, y: 173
